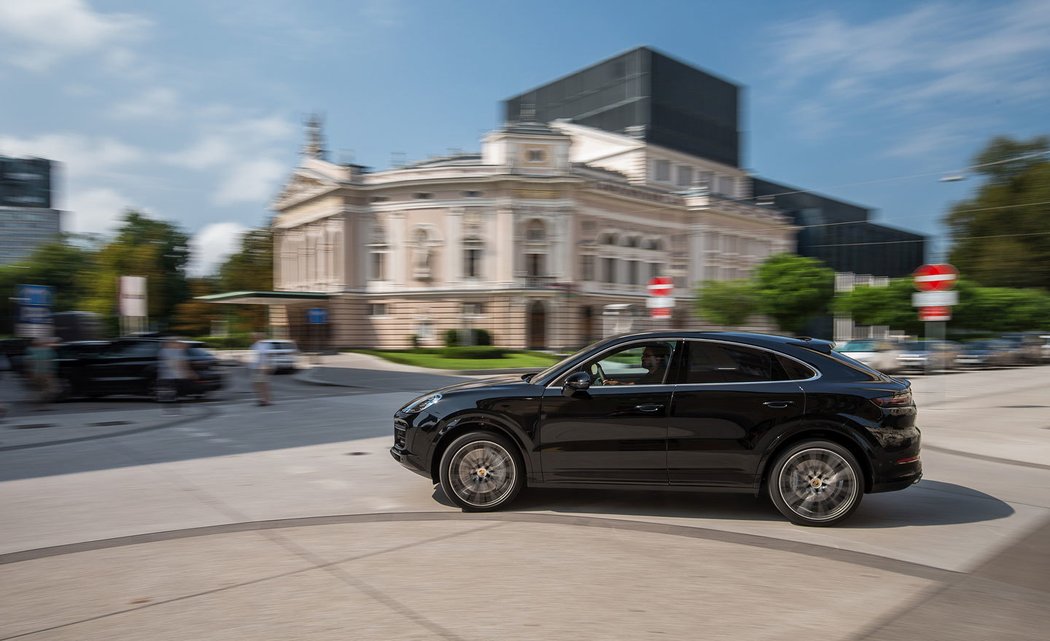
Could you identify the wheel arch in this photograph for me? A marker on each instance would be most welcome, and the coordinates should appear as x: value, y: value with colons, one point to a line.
x: 475, y: 422
x: 814, y: 433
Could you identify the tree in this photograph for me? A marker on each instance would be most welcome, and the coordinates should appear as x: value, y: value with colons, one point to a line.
x: 890, y: 306
x: 194, y: 317
x: 146, y: 247
x: 61, y: 265
x: 988, y: 310
x: 792, y: 289
x: 250, y: 269
x: 1001, y: 236
x: 728, y: 303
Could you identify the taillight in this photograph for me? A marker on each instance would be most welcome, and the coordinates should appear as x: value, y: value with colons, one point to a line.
x: 900, y: 399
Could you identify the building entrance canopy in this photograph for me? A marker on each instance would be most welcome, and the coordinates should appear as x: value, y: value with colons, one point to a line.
x: 264, y: 298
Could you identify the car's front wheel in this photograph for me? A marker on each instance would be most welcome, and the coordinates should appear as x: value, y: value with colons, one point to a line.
x: 481, y: 472
x: 816, y: 483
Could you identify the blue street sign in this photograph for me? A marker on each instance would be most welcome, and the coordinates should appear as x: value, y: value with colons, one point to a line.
x: 36, y: 295
x: 317, y: 315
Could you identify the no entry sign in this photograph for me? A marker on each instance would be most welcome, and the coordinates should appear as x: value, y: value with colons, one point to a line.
x: 935, y: 278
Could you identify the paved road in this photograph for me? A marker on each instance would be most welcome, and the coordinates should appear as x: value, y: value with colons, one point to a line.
x: 235, y: 521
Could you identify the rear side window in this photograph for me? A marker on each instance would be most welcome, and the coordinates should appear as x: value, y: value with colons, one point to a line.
x: 708, y: 362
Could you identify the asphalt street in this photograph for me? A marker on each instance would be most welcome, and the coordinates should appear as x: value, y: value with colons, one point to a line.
x: 291, y: 521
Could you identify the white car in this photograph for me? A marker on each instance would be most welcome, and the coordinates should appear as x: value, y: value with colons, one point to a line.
x: 283, y: 355
x: 876, y: 354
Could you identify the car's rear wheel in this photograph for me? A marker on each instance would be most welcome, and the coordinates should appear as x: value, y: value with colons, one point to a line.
x: 817, y: 483
x: 481, y: 471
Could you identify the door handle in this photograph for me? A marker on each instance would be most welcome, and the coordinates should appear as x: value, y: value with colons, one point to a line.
x: 649, y: 408
x: 778, y: 405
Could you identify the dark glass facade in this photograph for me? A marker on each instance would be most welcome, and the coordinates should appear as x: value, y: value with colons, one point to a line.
x: 840, y: 234
x: 646, y: 94
x: 25, y: 182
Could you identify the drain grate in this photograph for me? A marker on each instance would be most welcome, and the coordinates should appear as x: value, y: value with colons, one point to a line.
x: 356, y: 453
x: 32, y: 426
x: 1023, y: 407
x: 109, y: 423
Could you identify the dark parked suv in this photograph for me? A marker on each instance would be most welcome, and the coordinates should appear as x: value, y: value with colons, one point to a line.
x: 710, y: 411
x: 128, y: 366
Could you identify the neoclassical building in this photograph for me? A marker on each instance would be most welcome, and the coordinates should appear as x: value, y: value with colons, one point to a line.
x: 546, y: 239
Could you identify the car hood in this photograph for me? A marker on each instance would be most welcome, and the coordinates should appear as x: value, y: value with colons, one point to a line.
x: 507, y: 380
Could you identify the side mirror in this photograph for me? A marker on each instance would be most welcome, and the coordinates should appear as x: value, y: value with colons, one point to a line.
x: 576, y: 382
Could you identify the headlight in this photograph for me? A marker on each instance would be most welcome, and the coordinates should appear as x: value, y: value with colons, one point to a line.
x: 421, y: 404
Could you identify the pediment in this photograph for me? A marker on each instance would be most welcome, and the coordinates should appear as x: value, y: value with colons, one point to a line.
x: 301, y: 186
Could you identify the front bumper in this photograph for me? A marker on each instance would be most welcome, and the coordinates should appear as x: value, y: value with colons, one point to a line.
x: 400, y: 450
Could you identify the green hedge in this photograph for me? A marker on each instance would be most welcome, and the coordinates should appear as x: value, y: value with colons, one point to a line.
x: 233, y: 341
x: 454, y: 337
x: 476, y: 351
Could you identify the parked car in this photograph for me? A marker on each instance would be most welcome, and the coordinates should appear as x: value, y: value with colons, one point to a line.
x: 1028, y: 345
x: 128, y: 366
x: 1045, y: 349
x: 879, y: 354
x: 927, y: 355
x: 987, y: 353
x: 733, y: 412
x: 283, y: 355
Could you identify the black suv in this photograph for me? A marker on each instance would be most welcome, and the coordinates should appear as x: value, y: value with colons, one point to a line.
x: 128, y: 366
x: 713, y: 411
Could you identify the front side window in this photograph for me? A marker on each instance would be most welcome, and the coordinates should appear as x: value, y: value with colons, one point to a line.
x: 635, y: 364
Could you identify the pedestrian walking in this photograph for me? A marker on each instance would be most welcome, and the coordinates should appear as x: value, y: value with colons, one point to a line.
x: 42, y: 369
x: 173, y: 372
x: 260, y: 369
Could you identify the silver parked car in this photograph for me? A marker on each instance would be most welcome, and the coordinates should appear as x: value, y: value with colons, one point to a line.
x: 875, y: 353
x: 283, y: 355
x: 927, y: 355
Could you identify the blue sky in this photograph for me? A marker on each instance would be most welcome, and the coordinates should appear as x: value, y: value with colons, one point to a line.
x: 192, y: 110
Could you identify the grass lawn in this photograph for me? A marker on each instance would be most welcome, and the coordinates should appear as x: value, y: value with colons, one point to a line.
x: 522, y: 360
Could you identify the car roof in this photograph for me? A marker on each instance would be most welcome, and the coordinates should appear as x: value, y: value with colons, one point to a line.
x: 751, y: 338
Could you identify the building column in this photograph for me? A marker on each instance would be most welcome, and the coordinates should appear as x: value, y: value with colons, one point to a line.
x: 454, y: 246
x: 504, y: 257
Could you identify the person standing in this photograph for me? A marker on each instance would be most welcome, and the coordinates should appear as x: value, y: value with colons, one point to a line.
x: 173, y: 371
x: 41, y: 358
x: 260, y: 369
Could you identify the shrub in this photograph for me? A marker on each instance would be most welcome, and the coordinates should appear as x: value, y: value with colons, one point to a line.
x: 475, y: 351
x: 451, y: 337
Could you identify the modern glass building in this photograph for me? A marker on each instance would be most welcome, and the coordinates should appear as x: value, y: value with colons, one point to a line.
x: 27, y: 219
x: 646, y: 94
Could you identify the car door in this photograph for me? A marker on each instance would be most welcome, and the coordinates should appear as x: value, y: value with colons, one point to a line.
x: 615, y: 432
x: 729, y: 396
x: 126, y: 367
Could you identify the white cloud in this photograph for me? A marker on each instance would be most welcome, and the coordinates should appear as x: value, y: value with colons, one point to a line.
x: 924, y: 59
x: 83, y: 156
x: 159, y: 103
x: 96, y: 211
x: 212, y: 245
x: 244, y: 154
x: 251, y: 181
x: 39, y: 33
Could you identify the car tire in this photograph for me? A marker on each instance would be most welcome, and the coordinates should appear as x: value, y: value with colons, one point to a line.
x: 816, y: 483
x: 481, y: 472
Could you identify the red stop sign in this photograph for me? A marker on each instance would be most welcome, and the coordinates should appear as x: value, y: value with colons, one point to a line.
x: 935, y: 278
x: 660, y: 286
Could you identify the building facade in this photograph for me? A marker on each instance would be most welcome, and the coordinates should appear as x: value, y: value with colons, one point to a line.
x: 546, y: 239
x: 27, y: 219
